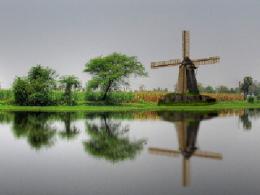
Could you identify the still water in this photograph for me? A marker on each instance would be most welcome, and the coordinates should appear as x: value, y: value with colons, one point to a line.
x: 143, y: 153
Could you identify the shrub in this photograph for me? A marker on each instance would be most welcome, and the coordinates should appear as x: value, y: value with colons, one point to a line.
x: 35, y: 89
x: 120, y: 97
x: 251, y: 99
x: 22, y: 91
x: 69, y: 83
x: 6, y: 94
x: 115, y: 97
x: 93, y: 96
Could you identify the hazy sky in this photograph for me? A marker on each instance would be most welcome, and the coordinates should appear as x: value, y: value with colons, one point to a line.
x: 65, y: 34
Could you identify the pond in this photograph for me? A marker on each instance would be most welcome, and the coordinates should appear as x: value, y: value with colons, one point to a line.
x: 137, y: 153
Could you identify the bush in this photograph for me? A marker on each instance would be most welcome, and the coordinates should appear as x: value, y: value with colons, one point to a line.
x: 21, y: 90
x: 120, y: 97
x: 112, y: 97
x: 251, y: 99
x: 40, y: 99
x: 6, y: 94
x: 93, y: 96
x: 35, y: 89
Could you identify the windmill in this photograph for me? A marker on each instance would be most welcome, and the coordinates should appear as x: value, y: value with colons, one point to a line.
x: 187, y: 80
x: 187, y: 132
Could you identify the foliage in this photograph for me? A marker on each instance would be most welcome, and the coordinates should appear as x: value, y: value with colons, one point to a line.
x: 35, y: 89
x: 218, y: 89
x: 251, y: 99
x: 22, y: 91
x: 222, y: 89
x: 112, y: 98
x: 6, y: 95
x: 69, y: 83
x: 112, y: 72
x: 245, y: 85
x: 93, y: 95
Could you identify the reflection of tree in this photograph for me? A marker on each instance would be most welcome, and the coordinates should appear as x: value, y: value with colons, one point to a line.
x: 34, y: 127
x: 70, y: 131
x: 244, y: 118
x: 107, y: 141
x: 6, y: 117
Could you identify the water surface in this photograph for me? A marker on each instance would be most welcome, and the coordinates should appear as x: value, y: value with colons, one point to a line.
x: 142, y: 153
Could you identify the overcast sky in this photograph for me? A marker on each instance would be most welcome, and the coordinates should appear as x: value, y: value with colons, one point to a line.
x: 65, y: 34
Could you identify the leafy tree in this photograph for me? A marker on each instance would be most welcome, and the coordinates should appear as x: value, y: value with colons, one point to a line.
x: 22, y: 91
x: 35, y: 89
x: 245, y: 85
x: 209, y: 89
x: 112, y: 72
x: 68, y: 83
x: 222, y: 89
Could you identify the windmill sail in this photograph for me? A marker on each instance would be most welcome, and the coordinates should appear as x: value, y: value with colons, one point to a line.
x: 186, y: 44
x: 160, y: 64
x: 203, y: 61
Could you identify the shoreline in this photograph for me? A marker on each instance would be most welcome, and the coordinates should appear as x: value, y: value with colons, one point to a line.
x: 134, y: 107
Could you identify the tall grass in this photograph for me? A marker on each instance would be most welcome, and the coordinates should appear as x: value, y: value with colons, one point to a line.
x: 6, y: 96
x: 226, y: 96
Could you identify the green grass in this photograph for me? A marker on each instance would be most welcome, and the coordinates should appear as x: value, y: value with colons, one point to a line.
x: 135, y: 107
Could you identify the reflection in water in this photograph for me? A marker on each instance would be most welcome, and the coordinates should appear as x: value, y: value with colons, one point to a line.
x: 187, y: 127
x: 6, y: 117
x: 35, y: 127
x: 71, y: 131
x: 38, y: 128
x: 246, y: 117
x: 108, y: 140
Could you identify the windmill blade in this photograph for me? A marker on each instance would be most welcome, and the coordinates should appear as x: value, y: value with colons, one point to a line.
x: 205, y: 154
x: 203, y: 61
x: 185, y: 44
x: 160, y: 64
x: 164, y: 152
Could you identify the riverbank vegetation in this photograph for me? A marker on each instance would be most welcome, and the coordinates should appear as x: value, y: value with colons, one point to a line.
x: 125, y: 107
x: 106, y: 90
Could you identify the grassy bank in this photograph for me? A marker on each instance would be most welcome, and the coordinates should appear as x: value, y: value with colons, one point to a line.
x: 135, y: 107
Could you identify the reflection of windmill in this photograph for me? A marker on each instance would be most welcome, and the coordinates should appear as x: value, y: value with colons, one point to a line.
x: 187, y: 131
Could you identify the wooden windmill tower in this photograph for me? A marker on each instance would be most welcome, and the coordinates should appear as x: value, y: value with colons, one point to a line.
x: 186, y: 81
x: 187, y: 132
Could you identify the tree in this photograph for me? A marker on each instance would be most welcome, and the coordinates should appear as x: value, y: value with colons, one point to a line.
x: 35, y: 89
x: 68, y: 83
x: 112, y: 72
x: 245, y: 85
x: 22, y: 91
x: 209, y: 89
x: 222, y: 89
